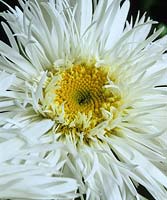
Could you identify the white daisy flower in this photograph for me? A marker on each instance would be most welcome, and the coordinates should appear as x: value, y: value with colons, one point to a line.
x: 82, y: 112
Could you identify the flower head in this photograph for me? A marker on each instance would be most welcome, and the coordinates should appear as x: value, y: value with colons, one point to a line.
x: 80, y: 102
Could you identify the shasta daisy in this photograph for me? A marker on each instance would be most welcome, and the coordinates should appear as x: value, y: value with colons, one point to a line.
x: 80, y: 102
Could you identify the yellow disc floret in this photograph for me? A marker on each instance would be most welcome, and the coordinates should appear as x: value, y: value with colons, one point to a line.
x: 76, y: 97
x: 81, y: 91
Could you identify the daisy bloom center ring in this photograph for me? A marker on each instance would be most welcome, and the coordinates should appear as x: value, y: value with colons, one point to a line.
x: 78, y: 98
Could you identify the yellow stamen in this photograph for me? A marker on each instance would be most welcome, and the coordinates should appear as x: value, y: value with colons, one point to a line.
x: 76, y: 98
x: 81, y: 88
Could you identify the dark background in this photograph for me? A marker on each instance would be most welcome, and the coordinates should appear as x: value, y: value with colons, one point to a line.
x: 156, y: 9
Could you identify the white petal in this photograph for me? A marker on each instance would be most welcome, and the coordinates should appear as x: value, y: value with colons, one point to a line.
x: 37, y: 129
x: 10, y: 148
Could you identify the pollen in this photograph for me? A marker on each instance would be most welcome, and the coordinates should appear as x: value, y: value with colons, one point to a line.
x: 78, y: 98
x: 81, y: 91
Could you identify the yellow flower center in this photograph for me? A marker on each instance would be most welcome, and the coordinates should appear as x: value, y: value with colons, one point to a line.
x: 75, y: 98
x: 81, y: 91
